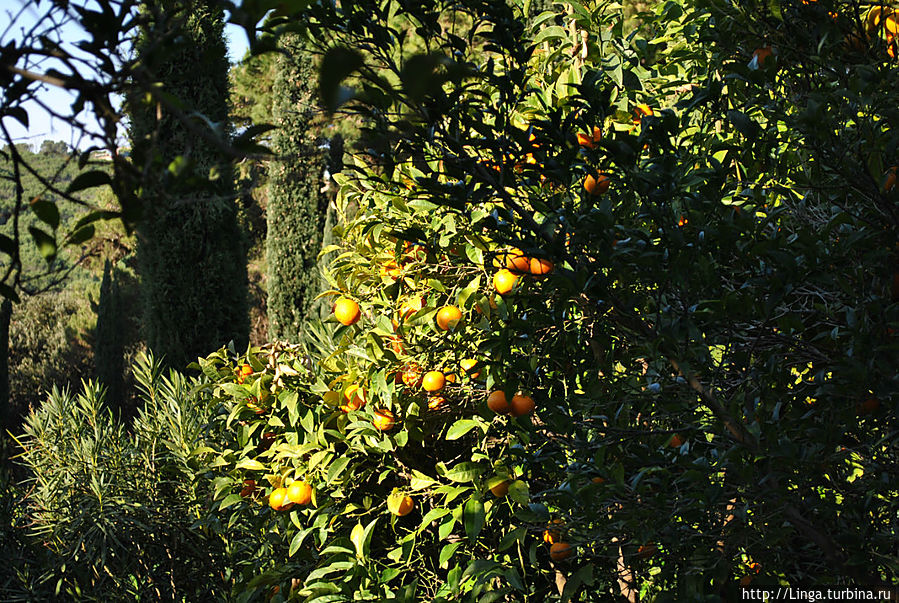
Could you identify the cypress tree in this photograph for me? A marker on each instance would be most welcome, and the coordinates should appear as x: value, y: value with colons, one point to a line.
x: 296, y: 207
x: 191, y: 259
x: 108, y: 339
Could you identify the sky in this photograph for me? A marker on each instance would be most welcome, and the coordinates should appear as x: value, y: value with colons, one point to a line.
x: 41, y: 125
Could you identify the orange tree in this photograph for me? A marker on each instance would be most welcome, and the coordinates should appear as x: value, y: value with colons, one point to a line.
x: 616, y: 313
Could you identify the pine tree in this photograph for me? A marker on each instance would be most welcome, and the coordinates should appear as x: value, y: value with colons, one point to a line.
x: 191, y: 258
x: 297, y: 207
x: 108, y: 339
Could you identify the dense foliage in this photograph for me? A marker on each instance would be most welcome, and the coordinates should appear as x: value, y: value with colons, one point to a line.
x: 191, y: 258
x: 297, y: 206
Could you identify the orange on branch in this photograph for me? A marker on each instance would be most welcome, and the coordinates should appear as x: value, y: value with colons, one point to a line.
x: 346, y: 311
x: 521, y: 405
x: 560, y: 551
x: 400, y: 504
x: 299, y: 492
x: 587, y: 141
x: 468, y: 368
x: 278, y: 501
x: 504, y: 281
x: 384, y: 420
x: 433, y: 381
x: 596, y: 186
x: 498, y: 403
x: 540, y: 267
x: 448, y: 317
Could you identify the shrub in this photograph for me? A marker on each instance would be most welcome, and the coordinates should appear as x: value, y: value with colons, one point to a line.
x: 116, y: 509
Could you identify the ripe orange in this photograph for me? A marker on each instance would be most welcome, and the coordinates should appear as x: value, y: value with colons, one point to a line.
x: 513, y: 260
x: 245, y: 371
x: 346, y: 311
x: 276, y: 500
x: 676, y: 441
x: 520, y: 405
x: 400, y: 505
x: 396, y: 344
x: 553, y: 533
x: 504, y: 281
x: 598, y: 480
x: 596, y: 186
x: 383, y: 420
x: 500, y: 486
x: 890, y: 183
x: 870, y: 405
x: 249, y: 487
x: 412, y: 375
x: 448, y: 317
x: 391, y: 269
x: 433, y: 381
x: 641, y: 110
x: 498, y: 403
x: 408, y: 308
x: 762, y: 55
x: 354, y: 398
x: 468, y: 368
x: 560, y: 551
x: 647, y: 550
x: 588, y: 142
x: 540, y: 267
x: 299, y: 492
x: 436, y: 402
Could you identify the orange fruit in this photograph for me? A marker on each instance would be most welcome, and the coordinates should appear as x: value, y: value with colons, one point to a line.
x: 249, y: 487
x: 641, y: 110
x: 408, y: 308
x: 277, y: 500
x: 596, y: 186
x: 540, y: 267
x: 383, y: 420
x: 354, y: 398
x: 245, y: 371
x: 870, y: 405
x: 553, y: 533
x: 468, y: 368
x: 391, y: 269
x: 745, y: 580
x: 396, y: 344
x: 346, y: 311
x: 514, y: 260
x: 676, y: 441
x: 498, y: 403
x: 400, y: 505
x: 890, y: 183
x: 412, y: 375
x: 560, y: 551
x: 436, y: 402
x: 647, y: 550
x: 682, y: 221
x: 448, y: 317
x: 299, y: 492
x: 500, y: 486
x: 588, y: 142
x: 504, y: 281
x: 598, y: 480
x: 761, y: 55
x: 520, y: 405
x: 433, y: 381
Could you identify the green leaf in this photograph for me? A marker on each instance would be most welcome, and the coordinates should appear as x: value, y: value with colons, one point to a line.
x: 81, y: 235
x: 337, y: 64
x: 7, y: 245
x: 553, y: 32
x: 473, y: 517
x: 250, y: 465
x: 88, y: 180
x: 46, y: 244
x: 518, y: 491
x: 464, y: 472
x: 447, y: 552
x: 337, y: 468
x: 46, y: 212
x: 461, y: 427
x: 512, y: 537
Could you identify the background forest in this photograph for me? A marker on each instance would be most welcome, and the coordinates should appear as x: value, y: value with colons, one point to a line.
x: 465, y: 301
